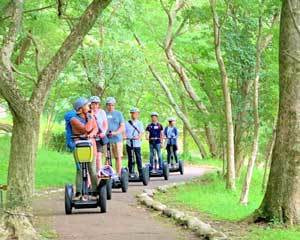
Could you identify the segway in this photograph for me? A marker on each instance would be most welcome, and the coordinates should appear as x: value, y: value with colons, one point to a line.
x: 83, y: 154
x: 156, y: 172
x: 115, y: 181
x: 135, y: 176
x: 175, y: 166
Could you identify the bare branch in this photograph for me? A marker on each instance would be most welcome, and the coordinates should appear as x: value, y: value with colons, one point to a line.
x: 67, y: 49
x: 23, y: 74
x: 29, y: 11
x: 37, y: 52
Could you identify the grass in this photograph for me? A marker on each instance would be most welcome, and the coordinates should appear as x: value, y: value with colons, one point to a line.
x: 208, y: 195
x: 53, y: 169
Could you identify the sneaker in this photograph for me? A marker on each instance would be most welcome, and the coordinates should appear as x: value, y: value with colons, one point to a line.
x: 77, y: 196
x: 85, y: 198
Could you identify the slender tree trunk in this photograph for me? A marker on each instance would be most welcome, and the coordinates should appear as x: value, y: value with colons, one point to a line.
x: 226, y: 94
x: 181, y: 72
x: 255, y: 145
x: 268, y: 156
x: 282, y: 198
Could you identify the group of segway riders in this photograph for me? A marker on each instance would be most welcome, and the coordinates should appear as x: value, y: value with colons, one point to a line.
x: 92, y: 133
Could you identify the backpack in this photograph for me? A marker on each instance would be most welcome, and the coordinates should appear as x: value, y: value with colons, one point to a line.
x: 69, y: 141
x: 68, y: 127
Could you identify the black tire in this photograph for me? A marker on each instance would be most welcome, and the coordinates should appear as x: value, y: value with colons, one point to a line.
x: 68, y: 198
x: 181, y: 167
x: 102, y: 196
x: 166, y: 171
x: 109, y: 189
x: 124, y: 180
x: 145, y: 176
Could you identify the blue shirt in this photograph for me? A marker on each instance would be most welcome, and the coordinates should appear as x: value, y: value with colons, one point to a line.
x: 154, y: 130
x: 114, y: 119
x: 132, y: 132
x: 172, y: 134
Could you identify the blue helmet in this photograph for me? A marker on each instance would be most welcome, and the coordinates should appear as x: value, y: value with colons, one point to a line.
x: 134, y: 109
x: 94, y: 99
x: 110, y: 100
x: 79, y: 103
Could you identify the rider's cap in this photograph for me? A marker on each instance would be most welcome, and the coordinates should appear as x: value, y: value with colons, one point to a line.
x: 94, y: 99
x: 154, y: 114
x: 171, y: 119
x: 134, y: 109
x: 110, y: 100
x: 80, y: 102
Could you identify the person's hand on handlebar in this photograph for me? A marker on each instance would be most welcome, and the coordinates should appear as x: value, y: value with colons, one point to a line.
x: 101, y: 135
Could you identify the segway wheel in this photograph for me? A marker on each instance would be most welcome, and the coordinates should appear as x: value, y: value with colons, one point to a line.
x: 166, y: 171
x: 181, y: 167
x: 145, y: 176
x: 68, y: 198
x: 102, y: 196
x: 124, y: 180
x: 109, y: 189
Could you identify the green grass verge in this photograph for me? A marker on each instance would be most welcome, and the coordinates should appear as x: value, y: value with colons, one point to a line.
x: 53, y: 169
x: 208, y: 195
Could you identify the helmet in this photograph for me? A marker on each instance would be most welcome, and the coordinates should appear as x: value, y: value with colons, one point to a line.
x: 171, y: 119
x: 154, y: 114
x: 134, y: 109
x: 95, y: 99
x: 80, y: 102
x: 110, y: 100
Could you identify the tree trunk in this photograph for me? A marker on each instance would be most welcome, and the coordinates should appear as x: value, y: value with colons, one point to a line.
x: 282, y: 198
x: 268, y: 156
x: 21, y: 175
x: 230, y: 184
x: 181, y: 72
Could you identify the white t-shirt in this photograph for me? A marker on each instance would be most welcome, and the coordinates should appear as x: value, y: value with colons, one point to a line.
x: 100, y: 116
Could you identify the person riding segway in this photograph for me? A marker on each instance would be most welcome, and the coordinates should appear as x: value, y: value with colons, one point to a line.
x: 154, y: 133
x: 171, y: 136
x: 134, y: 130
x: 116, y: 127
x: 83, y: 129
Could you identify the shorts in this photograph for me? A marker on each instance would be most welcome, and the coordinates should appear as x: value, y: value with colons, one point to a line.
x: 99, y: 147
x: 117, y: 149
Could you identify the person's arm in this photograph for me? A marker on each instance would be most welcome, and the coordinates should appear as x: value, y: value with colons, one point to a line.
x: 147, y: 133
x: 121, y: 127
x: 81, y: 128
x: 95, y: 129
x: 105, y: 123
x: 161, y: 134
x: 141, y: 129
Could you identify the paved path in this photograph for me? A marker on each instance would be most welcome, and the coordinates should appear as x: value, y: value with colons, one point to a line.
x: 124, y: 220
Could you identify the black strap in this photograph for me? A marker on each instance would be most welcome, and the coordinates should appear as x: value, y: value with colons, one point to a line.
x: 131, y: 123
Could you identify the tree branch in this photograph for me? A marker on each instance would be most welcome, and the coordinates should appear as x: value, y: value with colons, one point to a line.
x: 70, y: 45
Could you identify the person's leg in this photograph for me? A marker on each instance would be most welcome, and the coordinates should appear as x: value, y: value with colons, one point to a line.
x: 138, y: 158
x: 130, y: 158
x: 158, y: 148
x: 78, y: 179
x: 151, y: 148
x: 93, y: 174
x: 175, y: 153
x: 118, y: 153
x: 169, y: 153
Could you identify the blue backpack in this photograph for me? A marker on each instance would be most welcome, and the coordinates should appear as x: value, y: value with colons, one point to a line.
x: 69, y: 141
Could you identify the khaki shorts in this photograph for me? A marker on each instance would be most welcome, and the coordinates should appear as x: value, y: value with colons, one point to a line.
x: 116, y: 149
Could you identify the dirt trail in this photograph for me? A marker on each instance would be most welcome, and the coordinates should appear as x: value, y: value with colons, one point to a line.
x: 124, y: 220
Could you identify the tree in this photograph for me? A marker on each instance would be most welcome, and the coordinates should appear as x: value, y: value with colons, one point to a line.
x: 227, y: 99
x: 281, y: 200
x: 26, y: 116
